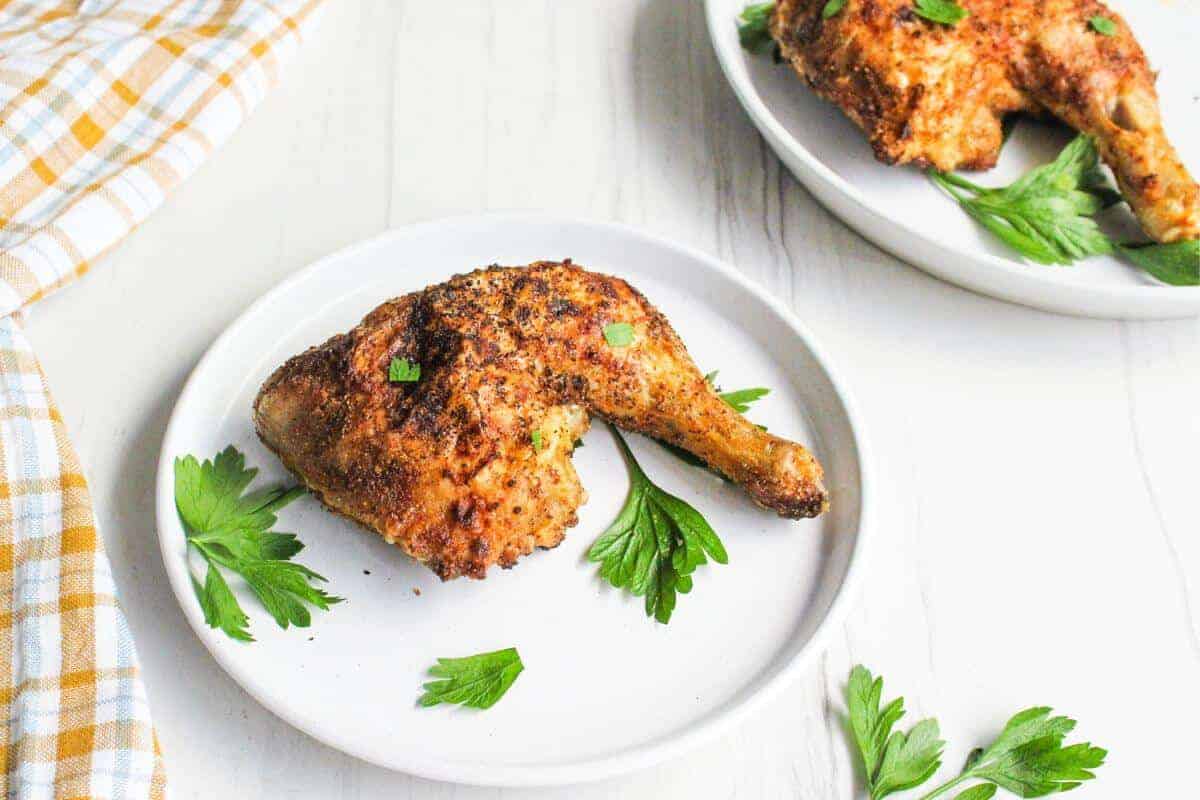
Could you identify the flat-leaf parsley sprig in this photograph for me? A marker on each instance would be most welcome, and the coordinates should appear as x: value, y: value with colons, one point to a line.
x: 231, y: 528
x: 655, y: 544
x: 1046, y: 215
x: 476, y: 681
x: 893, y: 761
x: 1027, y: 758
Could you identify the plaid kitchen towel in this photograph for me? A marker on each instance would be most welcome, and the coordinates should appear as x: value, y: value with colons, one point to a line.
x: 78, y: 722
x: 105, y: 106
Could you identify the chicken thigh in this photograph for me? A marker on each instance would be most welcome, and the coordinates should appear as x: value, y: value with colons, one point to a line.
x: 469, y: 465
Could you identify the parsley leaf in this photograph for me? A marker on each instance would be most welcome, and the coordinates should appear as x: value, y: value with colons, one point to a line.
x: 1177, y: 263
x: 754, y: 27
x: 1103, y: 25
x: 655, y: 544
x: 1046, y: 215
x: 946, y: 12
x: 476, y: 681
x: 1027, y: 758
x: 230, y: 528
x: 618, y: 334
x: 210, y: 495
x: 741, y: 399
x: 909, y: 759
x: 832, y: 8
x: 401, y: 370
x: 536, y: 439
x: 284, y: 588
x: 870, y: 725
x: 220, y: 607
x: 893, y: 760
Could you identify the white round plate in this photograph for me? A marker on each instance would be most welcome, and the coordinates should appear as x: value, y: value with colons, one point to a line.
x: 902, y: 212
x: 605, y: 689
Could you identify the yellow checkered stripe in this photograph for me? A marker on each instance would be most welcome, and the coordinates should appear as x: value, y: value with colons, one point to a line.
x: 105, y: 107
x: 78, y: 721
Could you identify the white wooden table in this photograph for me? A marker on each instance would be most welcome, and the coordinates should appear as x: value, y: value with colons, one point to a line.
x: 1039, y: 512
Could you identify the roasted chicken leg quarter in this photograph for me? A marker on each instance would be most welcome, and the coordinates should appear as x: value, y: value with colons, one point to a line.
x: 469, y: 465
x: 932, y: 94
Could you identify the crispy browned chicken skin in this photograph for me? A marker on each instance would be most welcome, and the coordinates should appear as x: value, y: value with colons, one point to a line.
x: 446, y: 467
x: 934, y: 95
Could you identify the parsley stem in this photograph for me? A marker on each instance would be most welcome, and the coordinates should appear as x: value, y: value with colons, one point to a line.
x: 960, y: 182
x: 210, y: 556
x: 213, y: 555
x: 941, y: 180
x: 199, y: 549
x: 945, y: 787
x: 629, y: 457
x: 285, y: 498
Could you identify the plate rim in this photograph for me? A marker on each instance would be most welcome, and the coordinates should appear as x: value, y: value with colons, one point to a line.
x: 580, y: 770
x: 1144, y: 302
